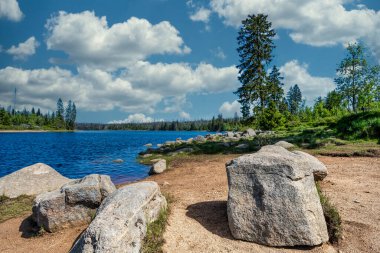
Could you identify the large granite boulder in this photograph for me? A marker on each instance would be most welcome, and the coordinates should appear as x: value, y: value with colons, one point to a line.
x: 72, y: 205
x: 121, y: 221
x: 158, y: 167
x: 31, y: 180
x: 272, y: 199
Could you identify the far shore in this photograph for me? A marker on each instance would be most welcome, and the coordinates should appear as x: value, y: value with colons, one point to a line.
x: 31, y: 131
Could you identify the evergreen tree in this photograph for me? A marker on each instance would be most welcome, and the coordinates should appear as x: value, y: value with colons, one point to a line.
x: 352, y: 74
x: 59, y: 120
x: 255, y: 51
x: 294, y: 99
x: 274, y: 86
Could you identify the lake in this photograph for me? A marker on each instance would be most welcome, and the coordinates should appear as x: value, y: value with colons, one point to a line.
x: 77, y: 154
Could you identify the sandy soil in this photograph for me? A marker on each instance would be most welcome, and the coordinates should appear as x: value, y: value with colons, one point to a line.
x: 16, y: 237
x: 198, y: 222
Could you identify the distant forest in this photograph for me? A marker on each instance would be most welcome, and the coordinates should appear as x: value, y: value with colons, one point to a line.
x: 62, y: 119
x: 213, y: 125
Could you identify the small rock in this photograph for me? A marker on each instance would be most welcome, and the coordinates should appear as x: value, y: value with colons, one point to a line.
x: 242, y: 146
x: 147, y: 155
x: 158, y: 167
x: 118, y: 161
x: 356, y: 201
x: 200, y: 138
x: 284, y: 144
x: 165, y: 183
x: 249, y: 132
x: 148, y: 145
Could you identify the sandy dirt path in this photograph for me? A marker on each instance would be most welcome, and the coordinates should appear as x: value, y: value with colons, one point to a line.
x: 15, y: 237
x: 198, y: 222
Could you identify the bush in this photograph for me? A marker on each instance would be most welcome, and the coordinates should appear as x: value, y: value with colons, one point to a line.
x: 364, y: 125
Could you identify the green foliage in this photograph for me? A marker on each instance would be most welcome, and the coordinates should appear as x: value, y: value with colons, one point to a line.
x: 271, y: 118
x: 12, y: 208
x: 332, y: 217
x: 357, y: 81
x: 364, y: 125
x: 154, y: 239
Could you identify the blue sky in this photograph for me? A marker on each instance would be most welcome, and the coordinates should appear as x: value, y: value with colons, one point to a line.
x: 133, y: 60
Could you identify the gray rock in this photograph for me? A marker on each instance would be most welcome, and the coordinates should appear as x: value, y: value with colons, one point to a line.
x: 190, y: 140
x: 284, y: 144
x: 272, y: 199
x: 118, y: 161
x: 250, y: 132
x: 200, y: 138
x: 319, y: 169
x: 168, y: 143
x: 121, y: 220
x: 242, y: 146
x: 158, y: 167
x: 148, y: 145
x: 229, y: 134
x: 72, y: 205
x: 31, y: 180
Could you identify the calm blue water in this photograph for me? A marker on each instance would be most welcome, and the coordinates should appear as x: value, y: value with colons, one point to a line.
x: 77, y: 154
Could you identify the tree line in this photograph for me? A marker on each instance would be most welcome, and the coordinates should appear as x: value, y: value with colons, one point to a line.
x: 261, y: 95
x: 62, y: 118
x: 214, y: 125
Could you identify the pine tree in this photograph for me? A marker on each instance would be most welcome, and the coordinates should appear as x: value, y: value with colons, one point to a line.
x: 352, y: 74
x: 274, y: 86
x: 255, y: 51
x: 294, y: 99
x: 59, y: 120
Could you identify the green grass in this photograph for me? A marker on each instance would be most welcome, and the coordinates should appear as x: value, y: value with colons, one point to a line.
x: 154, y: 239
x: 12, y: 208
x: 332, y: 217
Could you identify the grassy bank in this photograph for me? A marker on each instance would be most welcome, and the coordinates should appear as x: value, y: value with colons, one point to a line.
x: 13, y: 208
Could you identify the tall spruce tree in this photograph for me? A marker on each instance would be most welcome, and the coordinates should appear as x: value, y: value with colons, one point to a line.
x: 255, y: 45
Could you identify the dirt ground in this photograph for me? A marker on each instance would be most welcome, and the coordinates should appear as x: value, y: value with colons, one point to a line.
x: 16, y: 237
x: 198, y: 222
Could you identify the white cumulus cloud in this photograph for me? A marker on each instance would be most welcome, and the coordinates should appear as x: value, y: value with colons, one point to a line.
x: 184, y: 115
x: 134, y: 118
x: 24, y: 49
x: 311, y: 86
x: 202, y: 15
x: 88, y: 39
x: 9, y: 9
x: 228, y: 109
x: 312, y: 22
